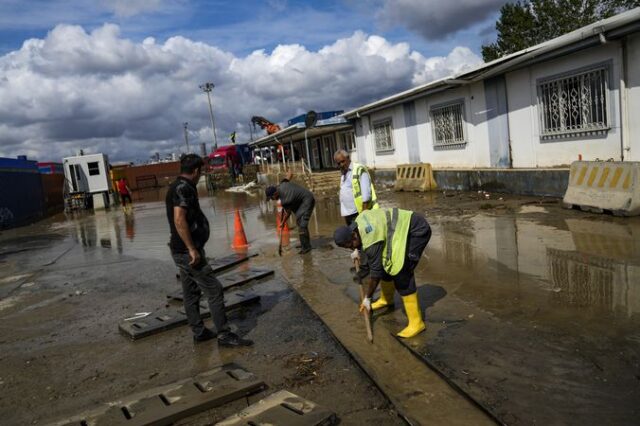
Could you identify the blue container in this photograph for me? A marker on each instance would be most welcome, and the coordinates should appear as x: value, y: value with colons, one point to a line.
x: 21, y: 196
x: 321, y: 116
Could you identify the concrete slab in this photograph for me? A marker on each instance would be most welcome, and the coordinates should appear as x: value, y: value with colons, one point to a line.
x: 282, y: 408
x: 167, y: 404
x: 165, y: 320
x: 223, y: 263
x: 232, y: 279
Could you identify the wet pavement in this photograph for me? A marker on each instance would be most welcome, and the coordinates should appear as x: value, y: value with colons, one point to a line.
x: 533, y: 311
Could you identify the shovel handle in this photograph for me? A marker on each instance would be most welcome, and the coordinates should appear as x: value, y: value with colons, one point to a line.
x: 366, y: 313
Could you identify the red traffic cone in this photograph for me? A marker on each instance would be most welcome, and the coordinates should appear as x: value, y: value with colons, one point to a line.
x: 239, y: 238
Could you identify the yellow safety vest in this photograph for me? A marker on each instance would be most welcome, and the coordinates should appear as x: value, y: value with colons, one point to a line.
x: 356, y: 172
x: 390, y: 226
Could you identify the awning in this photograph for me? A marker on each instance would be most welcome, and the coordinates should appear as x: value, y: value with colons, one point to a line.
x: 295, y: 132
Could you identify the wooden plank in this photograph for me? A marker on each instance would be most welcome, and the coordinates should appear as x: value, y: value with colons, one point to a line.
x: 232, y: 279
x: 167, y: 404
x: 165, y: 320
x: 282, y: 408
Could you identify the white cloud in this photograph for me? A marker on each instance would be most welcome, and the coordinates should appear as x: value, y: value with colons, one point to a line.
x: 102, y: 92
x: 435, y: 19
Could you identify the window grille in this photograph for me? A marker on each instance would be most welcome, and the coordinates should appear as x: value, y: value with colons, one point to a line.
x: 574, y: 104
x: 382, y: 135
x: 448, y: 124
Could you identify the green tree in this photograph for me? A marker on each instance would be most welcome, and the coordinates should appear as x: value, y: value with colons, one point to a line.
x: 526, y: 23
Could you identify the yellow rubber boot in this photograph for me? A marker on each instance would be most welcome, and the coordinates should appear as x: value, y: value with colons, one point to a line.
x: 387, y: 290
x: 414, y: 315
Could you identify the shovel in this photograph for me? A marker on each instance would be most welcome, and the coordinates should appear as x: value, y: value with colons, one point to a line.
x: 281, y: 229
x: 366, y: 313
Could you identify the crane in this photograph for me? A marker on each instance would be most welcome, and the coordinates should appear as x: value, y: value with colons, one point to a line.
x: 270, y: 127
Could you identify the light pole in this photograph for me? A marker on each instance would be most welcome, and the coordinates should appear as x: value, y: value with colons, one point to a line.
x: 207, y: 88
x: 186, y: 135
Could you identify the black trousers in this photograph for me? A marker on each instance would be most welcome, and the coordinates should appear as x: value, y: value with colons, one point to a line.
x: 196, y: 281
x: 417, y: 240
x: 350, y: 219
x: 303, y: 215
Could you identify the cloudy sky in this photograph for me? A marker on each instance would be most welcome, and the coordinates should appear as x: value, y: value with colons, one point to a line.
x: 121, y: 76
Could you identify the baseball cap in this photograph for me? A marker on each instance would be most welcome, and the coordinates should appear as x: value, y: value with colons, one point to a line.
x: 342, y: 235
x: 270, y: 191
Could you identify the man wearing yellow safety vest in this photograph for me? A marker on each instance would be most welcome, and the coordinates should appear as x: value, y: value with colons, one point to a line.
x: 393, y: 241
x: 356, y: 189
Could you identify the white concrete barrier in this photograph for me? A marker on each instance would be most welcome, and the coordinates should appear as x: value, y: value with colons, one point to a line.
x: 414, y: 177
x: 599, y: 186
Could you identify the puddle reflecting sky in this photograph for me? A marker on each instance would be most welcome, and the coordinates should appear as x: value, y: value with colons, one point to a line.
x: 557, y: 260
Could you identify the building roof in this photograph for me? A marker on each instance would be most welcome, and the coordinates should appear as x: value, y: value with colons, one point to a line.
x: 295, y: 131
x: 582, y: 38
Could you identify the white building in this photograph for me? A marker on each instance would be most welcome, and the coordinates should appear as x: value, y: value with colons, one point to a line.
x: 573, y: 97
x: 87, y: 173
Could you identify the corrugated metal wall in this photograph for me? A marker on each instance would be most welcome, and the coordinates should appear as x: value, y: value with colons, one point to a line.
x: 21, y: 197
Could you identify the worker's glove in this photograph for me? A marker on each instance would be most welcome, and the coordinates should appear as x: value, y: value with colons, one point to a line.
x: 365, y: 304
x: 355, y: 255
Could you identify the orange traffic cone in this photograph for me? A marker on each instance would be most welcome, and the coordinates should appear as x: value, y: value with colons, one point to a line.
x: 239, y: 238
x: 285, y: 226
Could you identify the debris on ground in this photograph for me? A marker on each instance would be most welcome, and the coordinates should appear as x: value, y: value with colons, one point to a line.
x: 307, y: 368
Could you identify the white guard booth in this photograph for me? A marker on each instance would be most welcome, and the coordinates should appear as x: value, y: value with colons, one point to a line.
x: 89, y: 174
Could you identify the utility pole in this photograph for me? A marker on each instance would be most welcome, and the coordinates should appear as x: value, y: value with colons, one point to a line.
x: 186, y: 135
x: 207, y: 88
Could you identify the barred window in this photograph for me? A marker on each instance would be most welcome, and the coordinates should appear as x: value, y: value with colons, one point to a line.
x: 448, y: 124
x: 574, y: 104
x: 382, y: 134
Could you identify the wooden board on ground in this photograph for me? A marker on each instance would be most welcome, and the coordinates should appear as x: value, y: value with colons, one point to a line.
x: 282, y: 408
x: 223, y: 263
x: 232, y: 279
x: 167, y: 404
x: 166, y: 320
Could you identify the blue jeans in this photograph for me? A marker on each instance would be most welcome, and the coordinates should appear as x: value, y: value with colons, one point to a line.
x: 197, y: 280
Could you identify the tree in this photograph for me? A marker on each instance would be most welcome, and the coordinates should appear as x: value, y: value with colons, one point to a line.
x: 526, y: 23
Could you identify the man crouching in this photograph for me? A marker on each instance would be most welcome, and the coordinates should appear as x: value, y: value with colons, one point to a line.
x: 393, y: 240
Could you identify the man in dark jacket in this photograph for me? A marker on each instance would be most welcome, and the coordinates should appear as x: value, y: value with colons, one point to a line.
x: 298, y: 200
x: 189, y: 234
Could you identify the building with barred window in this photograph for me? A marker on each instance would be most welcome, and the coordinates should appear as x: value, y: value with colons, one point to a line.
x: 570, y: 98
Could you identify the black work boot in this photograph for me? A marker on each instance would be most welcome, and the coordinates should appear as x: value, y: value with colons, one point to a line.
x: 305, y: 243
x: 204, y: 336
x: 232, y: 340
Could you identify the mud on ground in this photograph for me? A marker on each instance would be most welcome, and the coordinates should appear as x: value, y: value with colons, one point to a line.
x: 64, y: 294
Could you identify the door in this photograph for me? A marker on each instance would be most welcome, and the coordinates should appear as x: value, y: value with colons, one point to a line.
x: 498, y: 123
x: 316, y: 161
x: 328, y: 149
x: 75, y: 170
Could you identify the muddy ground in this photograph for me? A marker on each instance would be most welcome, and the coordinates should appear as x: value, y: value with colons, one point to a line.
x: 532, y: 311
x: 65, y: 288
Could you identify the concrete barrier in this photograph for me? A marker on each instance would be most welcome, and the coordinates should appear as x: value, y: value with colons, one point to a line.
x: 414, y: 177
x: 610, y: 186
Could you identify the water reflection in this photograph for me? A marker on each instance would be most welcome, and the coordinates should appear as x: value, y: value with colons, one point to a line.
x: 144, y: 232
x: 577, y: 262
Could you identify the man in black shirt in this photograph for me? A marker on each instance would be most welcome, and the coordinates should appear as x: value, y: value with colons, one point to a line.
x: 189, y: 234
x: 299, y: 200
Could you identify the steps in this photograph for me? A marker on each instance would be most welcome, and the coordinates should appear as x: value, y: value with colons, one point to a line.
x: 322, y: 184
